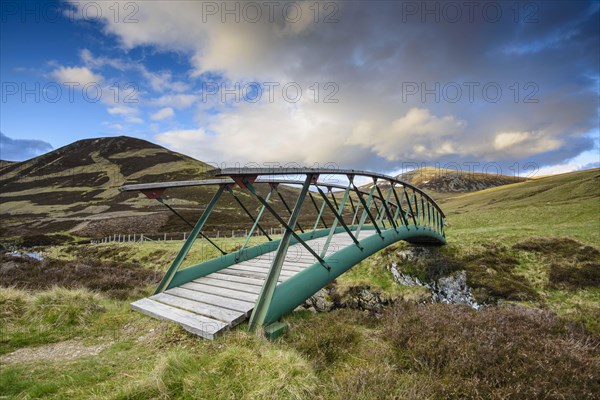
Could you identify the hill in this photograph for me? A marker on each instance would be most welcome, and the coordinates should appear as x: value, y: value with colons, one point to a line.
x: 74, y: 190
x: 440, y: 182
x: 565, y: 204
x: 68, y: 188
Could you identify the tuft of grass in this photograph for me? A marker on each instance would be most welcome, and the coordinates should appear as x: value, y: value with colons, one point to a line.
x: 13, y: 305
x: 47, y: 316
x: 241, y: 367
x: 62, y: 307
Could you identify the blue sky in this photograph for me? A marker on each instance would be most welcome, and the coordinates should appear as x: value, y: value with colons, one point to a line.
x: 372, y: 85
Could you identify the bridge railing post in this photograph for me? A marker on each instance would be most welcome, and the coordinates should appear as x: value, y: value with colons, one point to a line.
x: 266, y: 294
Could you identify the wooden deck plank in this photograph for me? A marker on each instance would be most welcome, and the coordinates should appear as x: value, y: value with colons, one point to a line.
x: 208, y: 310
x: 194, y: 323
x: 291, y: 266
x: 243, y: 287
x: 264, y: 270
x: 234, y: 278
x: 236, y: 305
x: 219, y: 291
x: 242, y: 273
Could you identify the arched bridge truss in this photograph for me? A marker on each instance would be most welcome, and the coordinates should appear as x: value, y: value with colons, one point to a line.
x: 266, y: 281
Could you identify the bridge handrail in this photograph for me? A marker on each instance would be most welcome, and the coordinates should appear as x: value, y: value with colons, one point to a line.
x: 320, y: 171
x: 213, y: 182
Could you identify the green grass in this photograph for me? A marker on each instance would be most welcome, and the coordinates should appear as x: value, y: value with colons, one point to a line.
x: 562, y: 205
x: 507, y: 239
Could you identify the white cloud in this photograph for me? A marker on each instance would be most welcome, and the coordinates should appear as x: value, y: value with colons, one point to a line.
x: 81, y: 75
x: 122, y: 110
x: 178, y: 101
x: 558, y: 169
x: 255, y: 133
x: 163, y: 113
x: 525, y: 143
x: 418, y: 132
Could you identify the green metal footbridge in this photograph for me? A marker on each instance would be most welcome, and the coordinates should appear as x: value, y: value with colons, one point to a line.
x: 265, y: 281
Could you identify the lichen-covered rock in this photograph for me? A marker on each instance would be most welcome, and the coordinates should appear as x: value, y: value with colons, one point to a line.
x: 404, y: 279
x: 360, y: 297
x: 320, y: 301
x: 453, y: 289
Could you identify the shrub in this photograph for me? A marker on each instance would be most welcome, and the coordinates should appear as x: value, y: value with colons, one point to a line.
x: 118, y: 280
x: 559, y: 246
x: 572, y: 275
x: 497, y: 352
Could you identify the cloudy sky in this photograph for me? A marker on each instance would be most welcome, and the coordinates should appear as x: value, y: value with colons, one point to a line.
x: 367, y: 85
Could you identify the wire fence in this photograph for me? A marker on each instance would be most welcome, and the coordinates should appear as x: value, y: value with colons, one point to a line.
x: 170, y: 236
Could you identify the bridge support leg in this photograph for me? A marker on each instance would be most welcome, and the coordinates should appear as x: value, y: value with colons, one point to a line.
x: 266, y: 294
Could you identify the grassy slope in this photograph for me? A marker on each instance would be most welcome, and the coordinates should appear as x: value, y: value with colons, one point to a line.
x: 562, y: 205
x: 430, y: 351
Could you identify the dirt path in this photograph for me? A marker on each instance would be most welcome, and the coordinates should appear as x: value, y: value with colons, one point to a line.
x: 62, y: 351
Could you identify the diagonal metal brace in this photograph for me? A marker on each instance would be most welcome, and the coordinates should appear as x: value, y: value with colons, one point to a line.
x: 366, y: 208
x: 385, y: 207
x: 339, y: 218
x: 249, y: 214
x: 161, y: 201
x: 287, y: 227
x: 288, y: 209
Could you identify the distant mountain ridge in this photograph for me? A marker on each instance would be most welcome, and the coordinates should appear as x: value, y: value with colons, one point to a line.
x: 448, y: 181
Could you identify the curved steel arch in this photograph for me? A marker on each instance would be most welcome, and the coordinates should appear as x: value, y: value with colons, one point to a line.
x: 412, y: 216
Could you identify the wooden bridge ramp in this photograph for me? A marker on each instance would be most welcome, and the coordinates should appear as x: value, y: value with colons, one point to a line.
x: 212, y: 304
